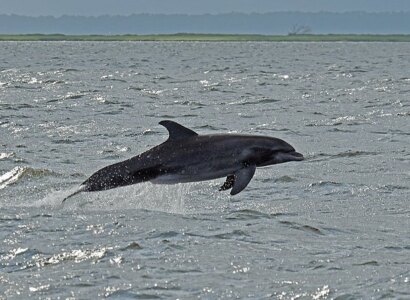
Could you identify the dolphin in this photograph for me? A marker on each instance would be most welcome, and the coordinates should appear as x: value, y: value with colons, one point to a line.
x: 187, y: 156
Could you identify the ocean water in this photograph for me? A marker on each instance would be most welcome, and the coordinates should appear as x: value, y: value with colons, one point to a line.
x: 335, y: 226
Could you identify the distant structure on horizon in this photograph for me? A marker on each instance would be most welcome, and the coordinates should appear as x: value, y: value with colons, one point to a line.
x: 233, y: 23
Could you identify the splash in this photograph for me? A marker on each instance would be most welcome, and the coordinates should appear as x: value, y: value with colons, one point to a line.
x: 177, y: 198
x: 56, y: 198
x: 166, y: 198
x: 144, y: 196
x: 182, y: 198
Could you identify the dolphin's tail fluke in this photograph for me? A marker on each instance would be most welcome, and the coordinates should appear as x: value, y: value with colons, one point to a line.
x: 80, y: 189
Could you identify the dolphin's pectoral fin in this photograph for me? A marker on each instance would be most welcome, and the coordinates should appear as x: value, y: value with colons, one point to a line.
x: 230, y: 180
x: 239, y: 180
x: 242, y: 178
x: 177, y: 131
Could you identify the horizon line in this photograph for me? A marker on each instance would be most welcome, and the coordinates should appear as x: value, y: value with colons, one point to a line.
x: 209, y: 14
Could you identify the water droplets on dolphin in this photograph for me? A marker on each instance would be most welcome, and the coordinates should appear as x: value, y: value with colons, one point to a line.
x: 187, y: 157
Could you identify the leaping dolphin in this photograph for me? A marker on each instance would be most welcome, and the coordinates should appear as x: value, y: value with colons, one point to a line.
x: 187, y: 157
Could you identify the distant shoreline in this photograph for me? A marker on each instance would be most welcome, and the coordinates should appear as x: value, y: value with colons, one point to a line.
x: 213, y: 37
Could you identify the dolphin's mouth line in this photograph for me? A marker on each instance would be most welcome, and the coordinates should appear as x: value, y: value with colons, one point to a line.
x: 282, y: 156
x: 298, y: 156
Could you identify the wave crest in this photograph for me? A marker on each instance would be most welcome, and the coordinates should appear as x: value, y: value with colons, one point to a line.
x: 18, y: 173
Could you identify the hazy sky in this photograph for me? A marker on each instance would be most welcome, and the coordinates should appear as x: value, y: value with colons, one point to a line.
x: 127, y: 7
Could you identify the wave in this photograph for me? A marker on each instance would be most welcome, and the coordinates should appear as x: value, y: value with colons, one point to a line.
x: 76, y: 255
x: 302, y: 227
x: 263, y: 100
x: 18, y: 173
x: 5, y: 155
x: 346, y: 154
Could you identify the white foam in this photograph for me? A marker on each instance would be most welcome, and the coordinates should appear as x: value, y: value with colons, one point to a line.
x: 11, y: 177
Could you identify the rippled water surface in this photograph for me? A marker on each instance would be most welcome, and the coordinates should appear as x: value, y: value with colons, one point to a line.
x: 335, y: 226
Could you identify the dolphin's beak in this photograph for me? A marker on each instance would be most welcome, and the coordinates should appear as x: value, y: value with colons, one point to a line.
x: 282, y: 157
x: 297, y: 156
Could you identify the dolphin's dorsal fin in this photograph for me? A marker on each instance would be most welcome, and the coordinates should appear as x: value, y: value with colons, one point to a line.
x: 177, y: 131
x: 242, y: 178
